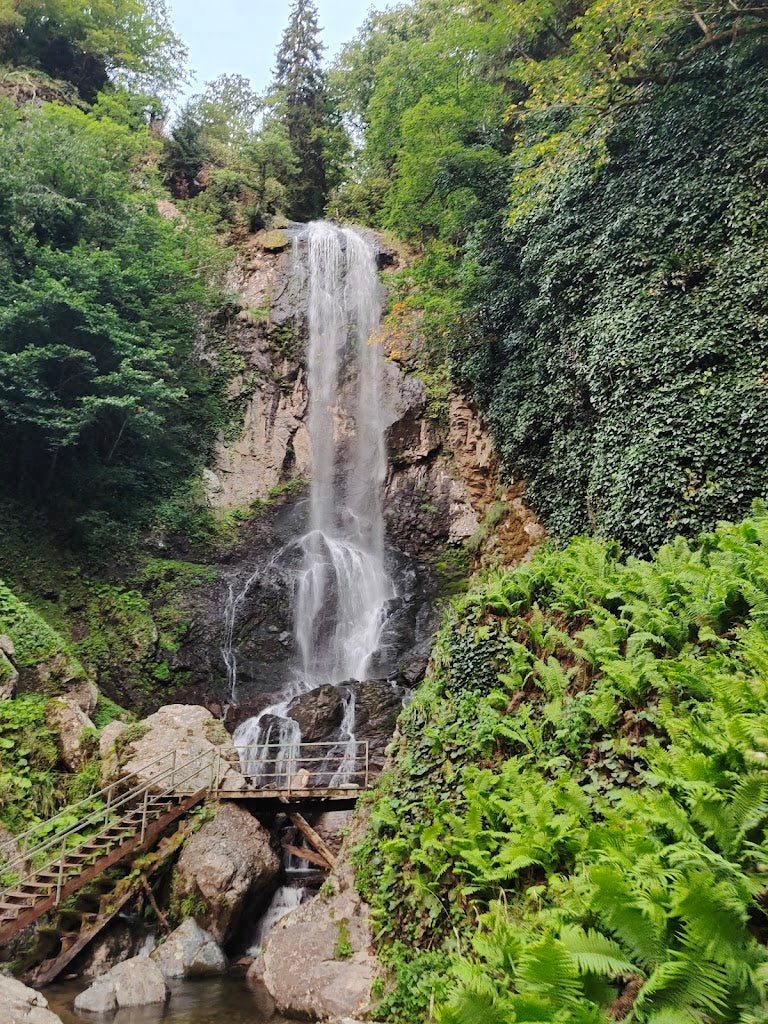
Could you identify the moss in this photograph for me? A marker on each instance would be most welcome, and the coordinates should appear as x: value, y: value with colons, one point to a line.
x: 451, y: 568
x: 35, y: 642
x: 343, y: 949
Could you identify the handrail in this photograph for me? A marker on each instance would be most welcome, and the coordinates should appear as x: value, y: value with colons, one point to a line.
x: 66, y: 811
x: 103, y: 815
x: 170, y: 782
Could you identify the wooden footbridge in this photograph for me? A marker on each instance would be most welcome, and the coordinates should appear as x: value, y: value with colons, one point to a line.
x: 53, y: 861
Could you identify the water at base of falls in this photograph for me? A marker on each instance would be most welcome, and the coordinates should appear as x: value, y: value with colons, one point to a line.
x: 286, y: 899
x: 341, y: 587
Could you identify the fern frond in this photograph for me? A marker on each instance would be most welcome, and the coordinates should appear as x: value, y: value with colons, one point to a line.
x: 596, y: 953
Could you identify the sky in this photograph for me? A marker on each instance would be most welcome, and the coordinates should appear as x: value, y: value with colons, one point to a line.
x: 241, y: 36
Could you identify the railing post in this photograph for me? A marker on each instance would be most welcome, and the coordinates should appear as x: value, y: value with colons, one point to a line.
x: 173, y: 772
x: 217, y: 776
x: 60, y: 879
x: 144, y: 815
x: 291, y: 771
x: 367, y: 762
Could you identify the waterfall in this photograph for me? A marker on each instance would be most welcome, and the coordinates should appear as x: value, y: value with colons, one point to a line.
x: 341, y: 585
x: 286, y: 899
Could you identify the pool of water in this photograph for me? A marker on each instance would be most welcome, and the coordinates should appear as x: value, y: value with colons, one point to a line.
x: 209, y: 1001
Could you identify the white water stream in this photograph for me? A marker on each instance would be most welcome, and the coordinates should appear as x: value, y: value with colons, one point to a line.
x: 341, y: 587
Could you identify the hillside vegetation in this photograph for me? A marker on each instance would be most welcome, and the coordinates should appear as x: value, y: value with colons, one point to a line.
x: 574, y: 825
x: 585, y: 188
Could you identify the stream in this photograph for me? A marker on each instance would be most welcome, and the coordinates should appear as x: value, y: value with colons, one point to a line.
x: 207, y: 1001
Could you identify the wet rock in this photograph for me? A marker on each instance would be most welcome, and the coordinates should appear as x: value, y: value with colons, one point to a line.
x: 317, y: 960
x: 119, y: 941
x: 22, y: 1005
x: 228, y: 867
x: 65, y: 718
x: 135, y: 982
x: 180, y: 736
x: 238, y: 713
x: 318, y: 713
x: 377, y: 707
x: 190, y: 952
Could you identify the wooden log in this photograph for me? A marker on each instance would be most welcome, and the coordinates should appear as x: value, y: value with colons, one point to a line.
x: 306, y: 854
x: 312, y: 837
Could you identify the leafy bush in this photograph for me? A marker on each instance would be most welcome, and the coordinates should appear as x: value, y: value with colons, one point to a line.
x: 587, y: 835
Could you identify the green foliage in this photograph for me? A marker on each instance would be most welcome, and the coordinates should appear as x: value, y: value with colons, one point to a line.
x: 87, y: 44
x: 36, y: 644
x: 29, y: 789
x: 105, y: 403
x: 627, y: 336
x: 578, y: 807
x: 614, y: 338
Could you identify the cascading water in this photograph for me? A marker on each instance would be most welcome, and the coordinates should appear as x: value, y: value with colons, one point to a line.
x: 341, y: 587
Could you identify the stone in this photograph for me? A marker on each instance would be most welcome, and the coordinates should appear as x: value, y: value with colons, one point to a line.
x: 9, y: 850
x: 273, y: 241
x: 64, y: 716
x: 119, y: 941
x: 9, y: 674
x: 22, y: 1005
x: 318, y: 713
x: 85, y: 694
x: 190, y: 952
x: 317, y: 959
x: 228, y: 867
x: 135, y: 982
x: 180, y: 735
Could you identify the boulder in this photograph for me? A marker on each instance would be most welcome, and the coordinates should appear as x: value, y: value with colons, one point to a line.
x: 9, y: 674
x: 85, y: 694
x: 69, y: 722
x: 22, y: 1005
x: 318, y: 713
x: 135, y: 982
x: 180, y: 735
x: 190, y: 952
x: 227, y: 867
x: 119, y: 941
x: 317, y: 959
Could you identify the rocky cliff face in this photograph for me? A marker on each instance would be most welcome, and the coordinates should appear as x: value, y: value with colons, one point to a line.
x: 442, y: 499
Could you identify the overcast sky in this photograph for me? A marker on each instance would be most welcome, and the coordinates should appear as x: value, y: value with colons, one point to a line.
x: 241, y: 36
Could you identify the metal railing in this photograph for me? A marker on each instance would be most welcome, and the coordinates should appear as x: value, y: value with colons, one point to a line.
x: 201, y: 772
x: 305, y: 767
x: 300, y: 768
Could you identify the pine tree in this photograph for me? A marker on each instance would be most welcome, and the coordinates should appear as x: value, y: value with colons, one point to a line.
x: 301, y: 103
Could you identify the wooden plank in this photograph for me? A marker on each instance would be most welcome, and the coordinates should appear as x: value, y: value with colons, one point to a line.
x: 312, y: 837
x: 305, y: 854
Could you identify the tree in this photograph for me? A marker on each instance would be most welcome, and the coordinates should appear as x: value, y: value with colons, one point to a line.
x: 300, y: 101
x: 89, y: 44
x: 106, y: 406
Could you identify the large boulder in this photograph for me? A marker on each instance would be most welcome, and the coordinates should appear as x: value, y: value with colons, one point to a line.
x: 22, y: 1005
x: 186, y: 736
x: 135, y: 982
x: 190, y: 952
x: 319, y: 713
x: 317, y: 959
x: 74, y: 732
x: 227, y: 868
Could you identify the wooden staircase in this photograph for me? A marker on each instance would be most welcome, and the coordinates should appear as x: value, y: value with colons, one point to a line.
x: 122, y: 821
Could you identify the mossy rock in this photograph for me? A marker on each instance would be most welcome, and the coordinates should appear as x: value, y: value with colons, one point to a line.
x: 43, y: 657
x: 273, y: 241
